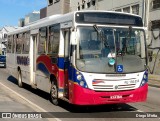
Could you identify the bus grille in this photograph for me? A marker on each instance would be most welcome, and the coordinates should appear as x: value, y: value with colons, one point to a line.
x: 104, y: 87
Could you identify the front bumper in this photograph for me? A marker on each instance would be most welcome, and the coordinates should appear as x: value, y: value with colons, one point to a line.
x: 82, y: 96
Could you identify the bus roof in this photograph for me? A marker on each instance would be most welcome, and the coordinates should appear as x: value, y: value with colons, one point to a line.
x: 60, y: 18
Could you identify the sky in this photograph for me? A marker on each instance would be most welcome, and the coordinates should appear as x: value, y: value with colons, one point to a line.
x: 12, y: 10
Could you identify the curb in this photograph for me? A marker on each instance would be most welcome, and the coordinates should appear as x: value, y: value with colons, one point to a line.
x: 154, y: 81
x: 152, y: 85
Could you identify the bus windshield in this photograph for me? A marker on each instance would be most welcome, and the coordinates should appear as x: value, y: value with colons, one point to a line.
x: 101, y: 52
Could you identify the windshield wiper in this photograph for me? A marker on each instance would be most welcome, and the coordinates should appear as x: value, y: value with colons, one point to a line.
x: 97, y: 29
x: 101, y: 35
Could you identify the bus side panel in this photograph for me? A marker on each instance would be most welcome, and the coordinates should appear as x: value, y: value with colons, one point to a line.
x: 43, y: 82
x: 11, y: 64
x: 61, y: 73
x: 22, y: 61
x: 25, y: 75
x: 63, y: 78
x: 45, y: 68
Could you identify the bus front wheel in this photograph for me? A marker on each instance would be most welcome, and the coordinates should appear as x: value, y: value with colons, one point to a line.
x: 20, y: 79
x: 54, y: 93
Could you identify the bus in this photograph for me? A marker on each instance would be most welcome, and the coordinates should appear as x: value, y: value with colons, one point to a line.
x: 82, y: 57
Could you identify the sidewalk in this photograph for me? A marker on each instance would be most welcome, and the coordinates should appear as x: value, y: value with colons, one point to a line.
x: 154, y: 80
x: 14, y: 108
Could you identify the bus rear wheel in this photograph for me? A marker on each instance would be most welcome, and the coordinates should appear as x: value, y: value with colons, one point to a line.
x: 54, y: 93
x: 20, y: 79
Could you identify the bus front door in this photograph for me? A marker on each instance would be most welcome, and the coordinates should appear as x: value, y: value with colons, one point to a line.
x: 66, y: 34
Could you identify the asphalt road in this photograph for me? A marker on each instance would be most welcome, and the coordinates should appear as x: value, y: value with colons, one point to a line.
x: 30, y: 100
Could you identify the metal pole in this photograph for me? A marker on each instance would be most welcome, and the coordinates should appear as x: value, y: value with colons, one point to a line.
x: 147, y: 13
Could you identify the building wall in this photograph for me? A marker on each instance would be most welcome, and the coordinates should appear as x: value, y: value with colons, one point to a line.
x: 21, y: 22
x: 31, y: 17
x: 43, y: 13
x: 59, y: 7
x: 154, y: 37
x: 3, y: 37
x: 54, y: 8
x: 66, y: 6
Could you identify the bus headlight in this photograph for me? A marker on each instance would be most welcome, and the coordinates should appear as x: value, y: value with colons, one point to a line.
x: 143, y: 82
x: 145, y: 79
x: 81, y: 81
x: 144, y: 76
x: 79, y: 77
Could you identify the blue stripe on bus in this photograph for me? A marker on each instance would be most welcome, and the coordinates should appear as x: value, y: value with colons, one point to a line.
x: 43, y: 68
x: 60, y: 63
x: 71, y: 70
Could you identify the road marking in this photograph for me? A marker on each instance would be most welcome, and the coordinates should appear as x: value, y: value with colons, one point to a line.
x: 43, y: 110
x: 140, y: 111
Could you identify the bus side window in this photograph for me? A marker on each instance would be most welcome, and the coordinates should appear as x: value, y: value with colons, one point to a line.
x: 13, y: 43
x: 18, y: 43
x: 9, y: 45
x: 54, y: 39
x: 42, y: 40
x: 66, y: 43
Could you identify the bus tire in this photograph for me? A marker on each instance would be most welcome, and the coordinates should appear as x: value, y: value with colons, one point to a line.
x: 54, y: 93
x: 20, y: 79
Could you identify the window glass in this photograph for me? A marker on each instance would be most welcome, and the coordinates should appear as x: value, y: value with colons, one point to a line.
x: 9, y: 47
x: 18, y: 43
x: 13, y: 43
x: 25, y: 43
x: 42, y: 40
x: 127, y: 9
x: 54, y: 37
x: 135, y: 9
x: 156, y: 4
x: 66, y: 42
x: 155, y: 24
x: 109, y: 49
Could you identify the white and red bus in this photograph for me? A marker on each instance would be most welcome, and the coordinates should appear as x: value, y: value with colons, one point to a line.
x: 83, y: 57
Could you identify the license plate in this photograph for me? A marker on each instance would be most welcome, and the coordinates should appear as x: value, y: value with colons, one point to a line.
x: 131, y: 81
x: 116, y: 97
